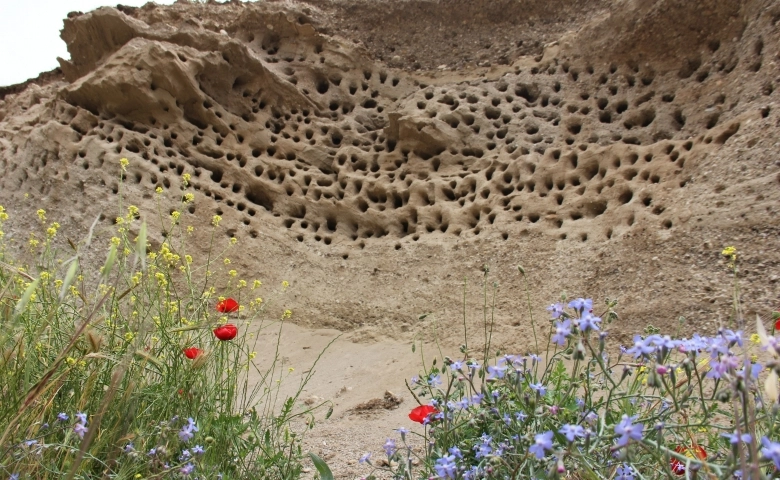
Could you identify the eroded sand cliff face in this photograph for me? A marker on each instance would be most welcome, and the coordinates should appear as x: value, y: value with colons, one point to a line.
x: 375, y: 154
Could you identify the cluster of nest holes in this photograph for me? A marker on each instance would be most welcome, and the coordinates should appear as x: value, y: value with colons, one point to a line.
x: 369, y: 172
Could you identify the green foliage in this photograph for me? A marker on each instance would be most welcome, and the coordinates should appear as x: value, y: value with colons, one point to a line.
x: 95, y: 381
x: 582, y: 408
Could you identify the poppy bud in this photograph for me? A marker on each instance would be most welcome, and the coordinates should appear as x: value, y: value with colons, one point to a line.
x: 192, y: 352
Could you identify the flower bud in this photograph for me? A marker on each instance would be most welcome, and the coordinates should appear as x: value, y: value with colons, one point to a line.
x: 579, y: 352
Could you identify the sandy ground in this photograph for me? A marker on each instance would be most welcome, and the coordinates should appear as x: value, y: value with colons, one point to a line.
x: 346, y: 376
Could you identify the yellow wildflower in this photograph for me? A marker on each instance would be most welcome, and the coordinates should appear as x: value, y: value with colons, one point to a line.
x: 215, y: 220
x: 241, y: 283
x: 185, y: 179
x: 233, y: 240
x: 175, y: 216
x: 115, y: 241
x: 52, y: 230
x: 232, y: 273
x: 285, y: 284
x: 41, y: 215
x: 256, y: 284
x: 3, y: 215
x: 123, y: 163
x: 226, y: 261
x: 188, y: 258
x: 189, y: 197
x: 755, y: 339
x: 287, y: 314
x: 158, y: 190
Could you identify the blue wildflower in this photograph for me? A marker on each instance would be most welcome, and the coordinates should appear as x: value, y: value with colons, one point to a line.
x: 771, y: 450
x: 365, y: 458
x: 542, y: 442
x: 456, y: 366
x: 735, y: 438
x: 628, y: 430
x: 197, y: 450
x: 641, y: 347
x: 389, y: 447
x: 581, y: 304
x: 484, y: 449
x: 80, y: 429
x: 571, y: 432
x: 562, y: 331
x: 589, y: 322
x: 62, y: 417
x: 446, y: 467
x: 520, y: 416
x: 590, y: 417
x: 624, y: 472
x: 556, y: 309
x: 188, y: 431
x: 187, y: 469
x: 538, y: 388
x: 495, y: 371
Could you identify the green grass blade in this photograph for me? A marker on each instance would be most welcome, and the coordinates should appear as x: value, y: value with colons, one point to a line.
x: 322, y: 467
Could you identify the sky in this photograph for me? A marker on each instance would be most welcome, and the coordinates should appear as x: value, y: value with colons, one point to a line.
x: 30, y: 34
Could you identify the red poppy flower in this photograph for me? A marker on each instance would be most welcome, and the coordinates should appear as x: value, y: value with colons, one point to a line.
x: 227, y: 305
x: 226, y: 332
x: 192, y: 352
x: 678, y: 467
x: 777, y: 325
x: 420, y: 413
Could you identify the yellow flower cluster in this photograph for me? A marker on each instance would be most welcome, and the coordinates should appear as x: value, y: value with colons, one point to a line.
x: 41, y: 214
x: 215, y: 220
x: 51, y: 232
x: 123, y: 163
x: 256, y: 303
x: 170, y: 257
x: 3, y: 214
x: 730, y: 252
